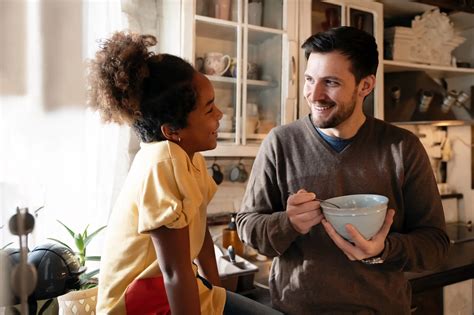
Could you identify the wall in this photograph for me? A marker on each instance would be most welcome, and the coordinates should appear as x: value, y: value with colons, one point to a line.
x: 229, y: 194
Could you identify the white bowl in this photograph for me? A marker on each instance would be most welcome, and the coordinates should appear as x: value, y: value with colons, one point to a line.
x: 366, y: 212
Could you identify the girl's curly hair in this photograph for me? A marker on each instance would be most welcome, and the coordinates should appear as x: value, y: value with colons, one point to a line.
x: 128, y: 84
x: 116, y: 76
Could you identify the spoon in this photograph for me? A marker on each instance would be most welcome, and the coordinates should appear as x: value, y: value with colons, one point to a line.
x: 321, y: 200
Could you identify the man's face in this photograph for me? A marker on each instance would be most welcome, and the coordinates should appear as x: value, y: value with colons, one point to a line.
x: 330, y: 89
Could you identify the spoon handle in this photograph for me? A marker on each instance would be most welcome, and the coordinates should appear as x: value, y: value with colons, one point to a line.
x: 329, y: 203
x: 320, y: 200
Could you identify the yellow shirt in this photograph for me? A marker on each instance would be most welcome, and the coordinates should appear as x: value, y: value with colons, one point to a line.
x: 163, y: 188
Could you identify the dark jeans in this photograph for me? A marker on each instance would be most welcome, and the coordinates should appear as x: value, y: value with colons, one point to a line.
x: 237, y: 304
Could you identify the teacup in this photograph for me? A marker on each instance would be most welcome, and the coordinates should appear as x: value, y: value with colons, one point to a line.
x: 238, y: 173
x: 252, y: 69
x: 216, y: 63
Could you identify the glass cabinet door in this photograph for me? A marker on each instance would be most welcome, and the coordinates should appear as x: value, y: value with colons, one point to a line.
x: 262, y: 70
x: 364, y: 20
x: 216, y: 54
x: 239, y: 46
x: 326, y: 14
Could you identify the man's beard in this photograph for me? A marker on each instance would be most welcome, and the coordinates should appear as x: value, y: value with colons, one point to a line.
x: 345, y: 111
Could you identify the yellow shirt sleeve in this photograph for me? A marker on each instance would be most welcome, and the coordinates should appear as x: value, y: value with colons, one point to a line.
x: 170, y: 196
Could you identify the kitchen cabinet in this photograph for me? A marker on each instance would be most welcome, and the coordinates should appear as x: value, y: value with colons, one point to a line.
x: 438, y: 78
x: 248, y: 50
x: 319, y: 15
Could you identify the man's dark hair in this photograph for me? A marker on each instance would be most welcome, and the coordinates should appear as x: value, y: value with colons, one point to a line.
x: 358, y: 46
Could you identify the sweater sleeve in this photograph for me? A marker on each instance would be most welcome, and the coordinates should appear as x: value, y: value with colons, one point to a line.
x: 422, y: 243
x: 262, y: 221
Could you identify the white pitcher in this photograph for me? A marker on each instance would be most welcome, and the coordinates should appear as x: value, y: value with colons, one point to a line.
x: 216, y: 63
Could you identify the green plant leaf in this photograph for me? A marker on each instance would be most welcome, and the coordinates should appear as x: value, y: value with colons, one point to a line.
x: 84, y: 234
x: 79, y: 242
x: 93, y: 258
x: 6, y: 246
x: 89, y: 275
x: 93, y: 234
x: 68, y: 229
x: 62, y: 243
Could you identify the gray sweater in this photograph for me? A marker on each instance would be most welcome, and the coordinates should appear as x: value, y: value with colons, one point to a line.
x: 309, y: 274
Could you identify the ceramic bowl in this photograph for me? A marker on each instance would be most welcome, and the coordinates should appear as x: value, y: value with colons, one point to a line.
x: 366, y: 212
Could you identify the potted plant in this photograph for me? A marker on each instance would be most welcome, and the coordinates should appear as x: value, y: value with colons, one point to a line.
x: 84, y: 300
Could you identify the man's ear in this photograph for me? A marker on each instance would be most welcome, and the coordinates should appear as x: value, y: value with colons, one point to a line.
x: 366, y: 85
x: 170, y: 133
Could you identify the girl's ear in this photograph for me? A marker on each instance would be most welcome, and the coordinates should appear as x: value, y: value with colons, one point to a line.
x: 170, y: 133
x: 366, y: 85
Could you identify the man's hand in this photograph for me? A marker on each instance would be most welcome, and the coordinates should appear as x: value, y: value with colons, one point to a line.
x: 361, y: 248
x: 303, y: 211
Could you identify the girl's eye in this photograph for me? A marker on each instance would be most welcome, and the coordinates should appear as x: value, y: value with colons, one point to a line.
x: 212, y: 109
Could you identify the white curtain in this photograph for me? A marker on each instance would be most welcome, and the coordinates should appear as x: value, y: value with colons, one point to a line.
x: 60, y: 155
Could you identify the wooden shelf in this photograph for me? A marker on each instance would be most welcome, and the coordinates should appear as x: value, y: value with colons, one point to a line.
x: 433, y: 70
x: 223, y: 82
x: 216, y: 28
x: 232, y: 150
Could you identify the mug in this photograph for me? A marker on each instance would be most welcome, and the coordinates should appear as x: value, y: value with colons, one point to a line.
x: 216, y: 63
x: 233, y: 67
x: 395, y: 93
x: 217, y: 174
x: 252, y: 71
x: 425, y: 100
x: 198, y: 64
x: 449, y: 101
x: 252, y: 125
x: 265, y: 126
x: 238, y: 173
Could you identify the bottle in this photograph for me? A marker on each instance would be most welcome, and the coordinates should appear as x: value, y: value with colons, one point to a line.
x: 230, y: 237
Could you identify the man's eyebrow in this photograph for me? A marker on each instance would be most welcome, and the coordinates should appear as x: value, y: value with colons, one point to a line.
x: 332, y: 78
x: 210, y: 102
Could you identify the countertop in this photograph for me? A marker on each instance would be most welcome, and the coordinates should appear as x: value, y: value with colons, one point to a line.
x: 459, y: 266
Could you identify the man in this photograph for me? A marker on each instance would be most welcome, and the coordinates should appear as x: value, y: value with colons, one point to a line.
x: 334, y: 151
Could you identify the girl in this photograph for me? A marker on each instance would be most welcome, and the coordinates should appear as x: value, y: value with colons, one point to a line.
x: 157, y: 235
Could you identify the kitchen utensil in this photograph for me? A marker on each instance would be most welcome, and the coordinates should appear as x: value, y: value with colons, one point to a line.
x: 321, y: 201
x: 238, y: 173
x: 366, y: 212
x: 425, y: 100
x: 231, y: 253
x: 217, y: 174
x: 216, y: 63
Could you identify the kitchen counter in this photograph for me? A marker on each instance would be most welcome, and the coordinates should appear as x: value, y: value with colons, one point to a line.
x: 459, y: 266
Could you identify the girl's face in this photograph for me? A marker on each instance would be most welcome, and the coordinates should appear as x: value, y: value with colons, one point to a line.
x: 201, y: 132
